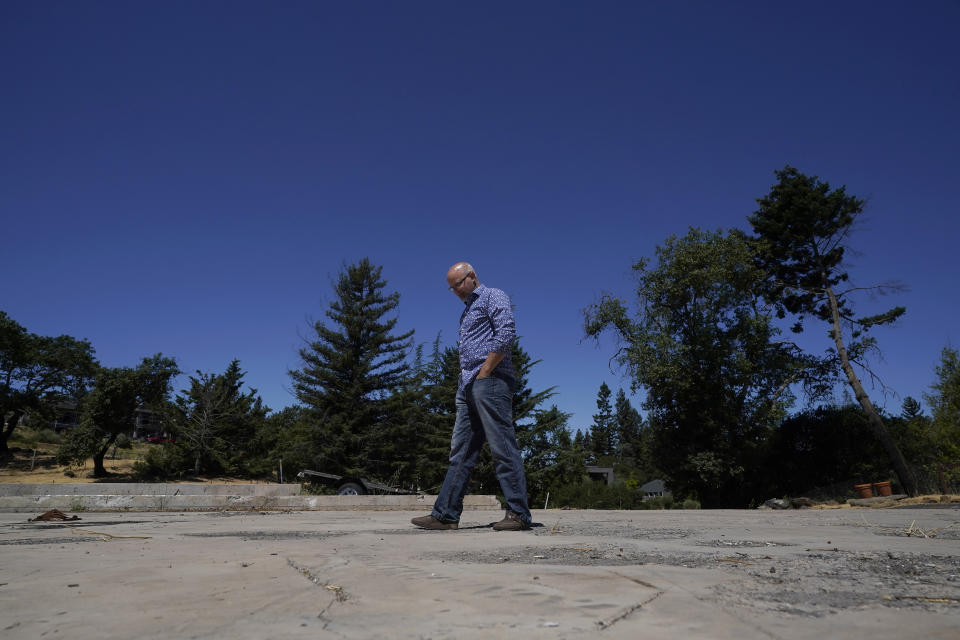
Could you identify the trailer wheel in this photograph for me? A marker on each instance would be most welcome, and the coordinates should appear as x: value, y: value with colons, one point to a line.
x: 350, y: 489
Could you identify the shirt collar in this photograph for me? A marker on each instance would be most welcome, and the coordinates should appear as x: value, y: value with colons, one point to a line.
x: 474, y: 294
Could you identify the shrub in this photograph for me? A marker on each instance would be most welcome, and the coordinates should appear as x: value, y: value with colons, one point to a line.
x: 31, y: 437
x: 595, y: 495
x: 50, y: 436
x: 664, y: 502
x: 161, y: 463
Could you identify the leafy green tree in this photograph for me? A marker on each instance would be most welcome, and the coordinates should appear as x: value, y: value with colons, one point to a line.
x: 945, y: 424
x: 37, y: 372
x: 704, y: 349
x: 289, y: 436
x: 802, y: 231
x: 350, y: 369
x: 109, y: 410
x: 912, y: 431
x: 217, y: 423
x: 603, y: 431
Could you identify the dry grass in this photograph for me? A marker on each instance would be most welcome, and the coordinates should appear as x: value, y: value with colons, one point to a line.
x: 25, y: 467
x: 41, y: 466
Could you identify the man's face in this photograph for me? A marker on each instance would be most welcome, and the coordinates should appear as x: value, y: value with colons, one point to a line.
x: 462, y: 282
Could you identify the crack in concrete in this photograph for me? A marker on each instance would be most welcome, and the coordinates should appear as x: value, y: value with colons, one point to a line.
x: 269, y: 535
x: 606, y: 624
x: 339, y: 595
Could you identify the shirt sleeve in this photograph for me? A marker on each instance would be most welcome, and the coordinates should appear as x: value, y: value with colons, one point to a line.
x: 501, y: 315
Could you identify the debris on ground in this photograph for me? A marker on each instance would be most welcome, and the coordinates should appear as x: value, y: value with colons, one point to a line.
x: 53, y: 514
x: 776, y: 503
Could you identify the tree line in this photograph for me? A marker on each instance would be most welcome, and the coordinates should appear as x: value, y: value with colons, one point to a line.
x: 706, y: 342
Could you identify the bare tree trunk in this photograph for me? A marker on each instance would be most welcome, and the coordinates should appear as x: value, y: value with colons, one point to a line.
x: 7, y: 424
x: 905, y: 475
x: 99, y: 471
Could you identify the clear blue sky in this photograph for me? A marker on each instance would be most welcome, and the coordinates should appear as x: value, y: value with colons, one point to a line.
x: 189, y: 177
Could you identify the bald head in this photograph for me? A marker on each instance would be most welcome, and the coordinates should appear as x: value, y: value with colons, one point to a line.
x: 462, y: 279
x: 459, y: 270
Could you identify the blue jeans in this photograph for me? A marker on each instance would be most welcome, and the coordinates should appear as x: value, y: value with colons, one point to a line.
x: 484, y: 412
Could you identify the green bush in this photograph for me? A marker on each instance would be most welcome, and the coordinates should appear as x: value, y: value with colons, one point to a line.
x: 49, y: 436
x: 30, y: 437
x: 161, y: 463
x: 596, y: 495
x: 665, y: 502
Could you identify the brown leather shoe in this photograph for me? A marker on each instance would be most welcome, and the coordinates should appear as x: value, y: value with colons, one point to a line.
x: 429, y: 522
x: 510, y: 522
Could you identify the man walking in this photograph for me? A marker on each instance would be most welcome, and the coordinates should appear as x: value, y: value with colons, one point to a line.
x: 484, y: 405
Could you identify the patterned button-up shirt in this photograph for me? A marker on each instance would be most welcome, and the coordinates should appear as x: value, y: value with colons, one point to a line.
x: 486, y: 326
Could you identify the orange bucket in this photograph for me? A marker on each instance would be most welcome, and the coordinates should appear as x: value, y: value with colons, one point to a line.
x: 864, y: 490
x: 883, y: 488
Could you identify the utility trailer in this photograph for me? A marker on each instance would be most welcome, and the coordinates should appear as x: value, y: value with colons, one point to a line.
x: 351, y: 486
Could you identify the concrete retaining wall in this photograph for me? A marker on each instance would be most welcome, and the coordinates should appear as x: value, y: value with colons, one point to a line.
x: 146, y: 489
x: 27, y: 498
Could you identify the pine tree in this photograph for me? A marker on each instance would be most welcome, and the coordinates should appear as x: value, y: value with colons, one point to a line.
x: 802, y: 233
x: 550, y: 458
x: 628, y: 425
x: 439, y: 378
x: 579, y: 439
x: 217, y: 423
x: 525, y: 400
x: 603, y: 431
x: 350, y: 370
x: 945, y: 424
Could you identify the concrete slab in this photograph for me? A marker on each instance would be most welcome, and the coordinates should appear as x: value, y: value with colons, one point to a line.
x: 852, y: 573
